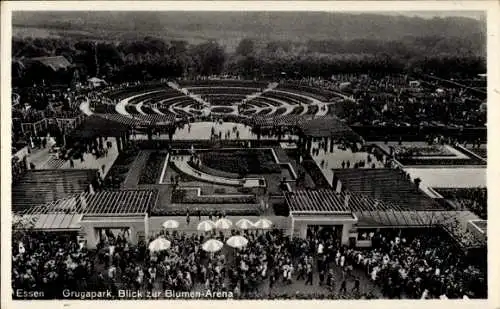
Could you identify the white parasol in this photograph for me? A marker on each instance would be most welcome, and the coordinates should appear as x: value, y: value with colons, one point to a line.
x: 263, y: 224
x: 206, y: 226
x: 245, y: 224
x: 237, y: 241
x: 159, y: 244
x: 170, y: 224
x: 223, y: 224
x: 212, y: 245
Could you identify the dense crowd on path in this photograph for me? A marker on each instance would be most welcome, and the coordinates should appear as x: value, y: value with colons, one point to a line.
x: 402, y: 266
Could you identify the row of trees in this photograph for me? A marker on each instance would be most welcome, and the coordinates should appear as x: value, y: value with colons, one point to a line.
x: 153, y: 58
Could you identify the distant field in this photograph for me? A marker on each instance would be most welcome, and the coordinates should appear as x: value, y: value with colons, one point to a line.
x: 230, y: 39
x: 228, y: 28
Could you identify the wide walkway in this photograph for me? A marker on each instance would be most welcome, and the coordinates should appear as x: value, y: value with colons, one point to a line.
x: 333, y: 160
x: 203, y: 131
x: 43, y: 160
x: 91, y: 162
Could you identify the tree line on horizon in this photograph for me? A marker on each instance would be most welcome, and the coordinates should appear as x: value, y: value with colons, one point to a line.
x: 154, y: 58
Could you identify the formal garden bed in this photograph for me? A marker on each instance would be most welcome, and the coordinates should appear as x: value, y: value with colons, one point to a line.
x: 175, y: 209
x: 241, y: 162
x: 421, y: 153
x: 401, y: 151
x: 222, y: 110
x: 312, y: 109
x: 153, y: 168
x: 190, y: 196
x: 131, y: 109
x: 440, y: 161
x: 297, y: 110
x: 118, y: 172
x: 264, y: 111
x: 280, y: 111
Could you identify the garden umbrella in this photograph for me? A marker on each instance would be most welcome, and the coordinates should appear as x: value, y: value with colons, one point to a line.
x: 237, y: 241
x: 159, y: 244
x: 212, y: 245
x: 170, y: 224
x: 223, y: 224
x: 245, y: 224
x: 206, y: 226
x: 263, y: 224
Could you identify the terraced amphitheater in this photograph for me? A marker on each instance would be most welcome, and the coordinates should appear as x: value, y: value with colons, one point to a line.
x: 164, y: 102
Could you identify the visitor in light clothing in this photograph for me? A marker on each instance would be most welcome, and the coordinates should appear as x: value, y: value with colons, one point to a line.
x: 320, y: 248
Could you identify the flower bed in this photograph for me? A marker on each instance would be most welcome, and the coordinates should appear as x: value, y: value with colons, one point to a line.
x: 297, y: 110
x: 264, y: 111
x: 317, y: 176
x: 120, y: 168
x: 222, y: 110
x: 192, y: 197
x: 423, y: 151
x: 229, y: 210
x: 153, y: 168
x: 280, y: 111
x: 241, y: 162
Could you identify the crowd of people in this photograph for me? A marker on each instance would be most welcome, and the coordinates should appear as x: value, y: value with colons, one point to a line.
x: 473, y: 199
x: 399, y: 100
x: 400, y: 265
x: 423, y: 266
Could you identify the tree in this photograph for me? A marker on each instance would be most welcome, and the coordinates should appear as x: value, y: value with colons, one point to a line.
x: 245, y: 48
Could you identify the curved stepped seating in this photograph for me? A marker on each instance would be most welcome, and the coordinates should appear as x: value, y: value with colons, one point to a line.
x: 222, y: 83
x: 266, y: 101
x: 174, y: 104
x: 121, y: 94
x: 103, y: 108
x: 314, y: 92
x: 289, y: 97
x: 222, y: 90
x: 132, y: 109
x: 223, y: 99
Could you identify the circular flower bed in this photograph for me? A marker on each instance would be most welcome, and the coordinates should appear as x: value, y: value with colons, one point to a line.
x: 222, y: 110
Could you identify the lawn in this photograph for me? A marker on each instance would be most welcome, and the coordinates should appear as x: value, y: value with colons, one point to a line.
x: 152, y: 170
x: 222, y: 110
x: 241, y: 162
x: 118, y: 172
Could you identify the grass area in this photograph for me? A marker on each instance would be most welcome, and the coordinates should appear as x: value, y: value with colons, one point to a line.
x: 151, y: 172
x: 222, y: 109
x: 118, y: 172
x: 241, y: 162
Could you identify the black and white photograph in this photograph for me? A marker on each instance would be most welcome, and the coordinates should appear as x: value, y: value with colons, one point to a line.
x: 247, y: 155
